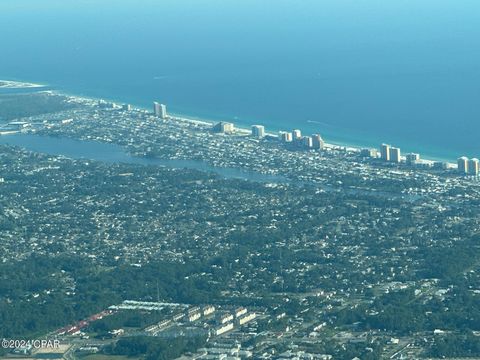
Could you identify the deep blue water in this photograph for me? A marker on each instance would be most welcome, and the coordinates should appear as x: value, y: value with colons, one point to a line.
x: 405, y: 72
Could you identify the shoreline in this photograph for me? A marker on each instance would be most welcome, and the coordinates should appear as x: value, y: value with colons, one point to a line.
x: 336, y: 145
x: 14, y: 84
x: 244, y: 129
x: 241, y: 126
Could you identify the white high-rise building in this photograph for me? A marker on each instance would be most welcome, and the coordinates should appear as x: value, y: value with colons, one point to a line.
x: 156, y: 108
x: 160, y: 110
x: 412, y: 158
x: 317, y: 142
x: 307, y: 142
x: 258, y: 131
x: 369, y: 153
x: 462, y: 165
x: 395, y: 154
x: 473, y: 167
x: 285, y: 136
x: 224, y: 127
x: 296, y: 134
x: 163, y: 111
x: 385, y: 152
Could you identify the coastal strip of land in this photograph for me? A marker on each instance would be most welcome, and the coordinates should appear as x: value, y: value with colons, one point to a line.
x: 9, y: 84
x: 242, y: 129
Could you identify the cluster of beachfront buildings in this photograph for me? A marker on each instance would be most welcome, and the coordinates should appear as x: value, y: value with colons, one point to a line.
x: 294, y: 138
x: 468, y: 166
x: 388, y: 153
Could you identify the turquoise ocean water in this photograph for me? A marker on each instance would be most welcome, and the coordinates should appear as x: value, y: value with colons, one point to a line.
x: 363, y: 72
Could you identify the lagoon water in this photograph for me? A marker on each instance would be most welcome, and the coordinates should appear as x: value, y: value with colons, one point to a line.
x: 111, y: 153
x: 362, y: 72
